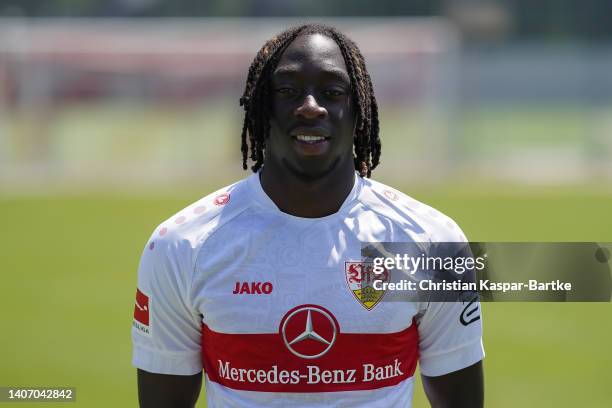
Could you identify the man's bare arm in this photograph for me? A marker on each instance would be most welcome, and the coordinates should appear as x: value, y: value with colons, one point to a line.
x: 460, y: 389
x: 165, y: 391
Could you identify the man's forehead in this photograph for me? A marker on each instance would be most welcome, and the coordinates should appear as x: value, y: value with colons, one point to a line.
x: 313, y: 49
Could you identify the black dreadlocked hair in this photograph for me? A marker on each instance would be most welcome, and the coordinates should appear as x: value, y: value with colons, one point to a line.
x: 256, y: 97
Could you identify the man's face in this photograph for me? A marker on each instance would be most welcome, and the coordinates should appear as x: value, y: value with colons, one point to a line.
x: 313, y: 118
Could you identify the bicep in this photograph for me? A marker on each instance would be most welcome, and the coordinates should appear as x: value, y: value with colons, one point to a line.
x: 166, y: 332
x: 460, y: 389
x: 164, y: 390
x: 450, y: 343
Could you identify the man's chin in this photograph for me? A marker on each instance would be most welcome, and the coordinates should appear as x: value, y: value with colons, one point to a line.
x: 310, y: 171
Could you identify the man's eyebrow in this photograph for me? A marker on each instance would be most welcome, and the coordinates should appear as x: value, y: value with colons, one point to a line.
x: 338, y: 73
x: 292, y: 69
x: 286, y: 70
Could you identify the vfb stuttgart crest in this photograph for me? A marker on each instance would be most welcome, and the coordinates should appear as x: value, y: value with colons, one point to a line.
x: 360, y: 278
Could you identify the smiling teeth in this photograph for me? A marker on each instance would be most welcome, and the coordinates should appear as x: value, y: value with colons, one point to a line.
x: 308, y: 138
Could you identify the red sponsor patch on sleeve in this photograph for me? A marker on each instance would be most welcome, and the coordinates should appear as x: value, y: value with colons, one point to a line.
x: 141, y: 308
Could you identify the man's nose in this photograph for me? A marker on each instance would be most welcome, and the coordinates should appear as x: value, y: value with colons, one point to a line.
x: 310, y: 109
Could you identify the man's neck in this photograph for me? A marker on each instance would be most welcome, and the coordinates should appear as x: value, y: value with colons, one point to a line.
x: 308, y: 198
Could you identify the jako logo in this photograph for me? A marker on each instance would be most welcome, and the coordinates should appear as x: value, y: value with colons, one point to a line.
x: 252, y: 288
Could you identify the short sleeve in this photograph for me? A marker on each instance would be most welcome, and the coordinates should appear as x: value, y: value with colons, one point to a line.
x: 450, y: 337
x: 166, y: 330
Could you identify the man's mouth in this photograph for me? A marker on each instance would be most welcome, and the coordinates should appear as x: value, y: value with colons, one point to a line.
x: 313, y: 142
x: 310, y: 139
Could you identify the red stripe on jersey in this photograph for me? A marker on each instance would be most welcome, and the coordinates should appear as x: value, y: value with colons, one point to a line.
x: 356, y: 361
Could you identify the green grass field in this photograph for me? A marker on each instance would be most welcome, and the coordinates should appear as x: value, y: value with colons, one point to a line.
x: 69, y: 277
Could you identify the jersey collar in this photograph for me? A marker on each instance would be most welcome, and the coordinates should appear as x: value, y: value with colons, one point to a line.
x: 266, y: 202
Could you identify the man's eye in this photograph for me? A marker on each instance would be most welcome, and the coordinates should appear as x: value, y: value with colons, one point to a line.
x: 334, y: 92
x: 286, y: 91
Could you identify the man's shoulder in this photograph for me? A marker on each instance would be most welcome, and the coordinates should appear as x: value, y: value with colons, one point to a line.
x: 190, y: 226
x: 409, y: 212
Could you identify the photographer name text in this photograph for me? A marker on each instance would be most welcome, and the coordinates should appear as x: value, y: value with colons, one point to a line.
x: 482, y: 285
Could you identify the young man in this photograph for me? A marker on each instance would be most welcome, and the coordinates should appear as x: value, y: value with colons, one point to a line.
x: 250, y: 282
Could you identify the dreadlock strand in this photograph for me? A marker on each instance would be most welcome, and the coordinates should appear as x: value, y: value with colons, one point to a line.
x: 244, y: 147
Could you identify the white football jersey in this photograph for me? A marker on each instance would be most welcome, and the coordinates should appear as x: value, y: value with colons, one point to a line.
x: 265, y: 302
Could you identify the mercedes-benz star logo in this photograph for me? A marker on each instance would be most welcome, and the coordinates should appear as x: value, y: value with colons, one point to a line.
x: 309, y: 331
